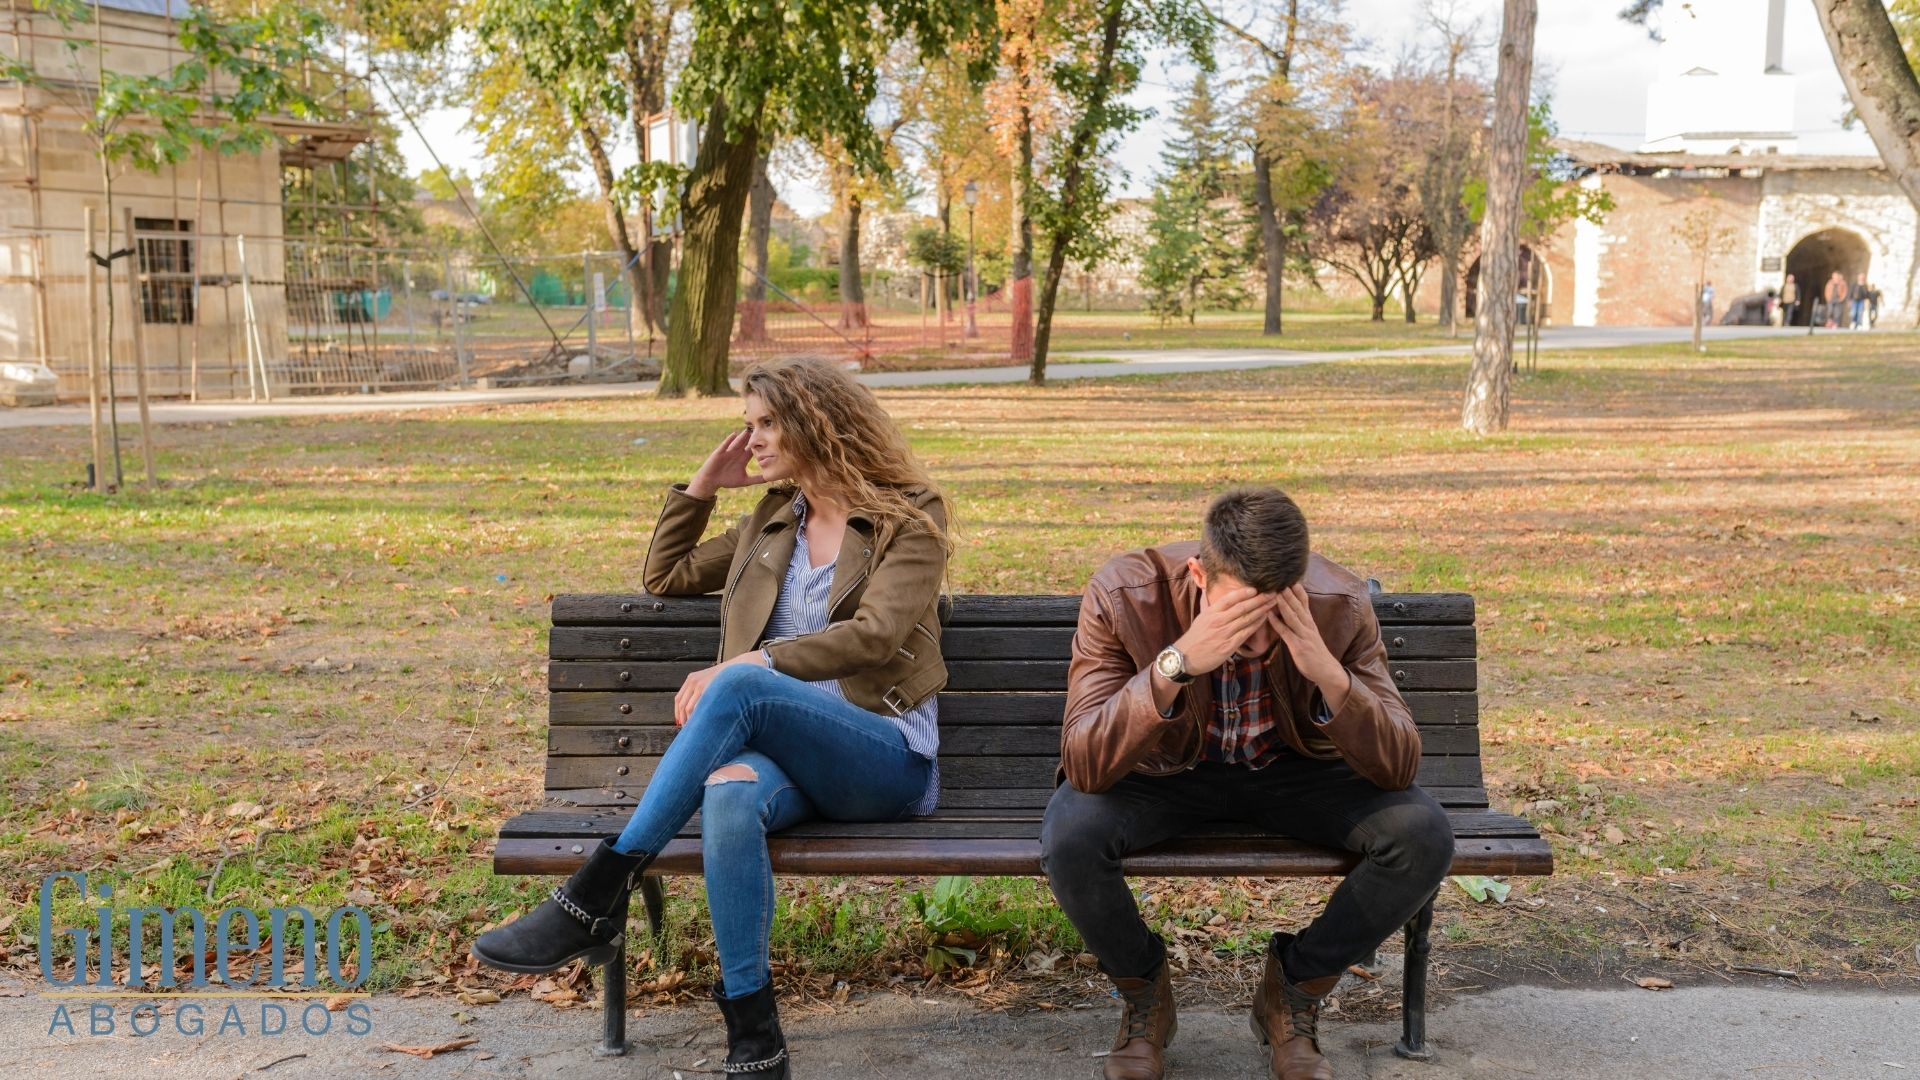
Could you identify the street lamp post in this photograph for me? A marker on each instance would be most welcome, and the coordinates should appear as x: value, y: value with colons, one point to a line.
x: 971, y: 195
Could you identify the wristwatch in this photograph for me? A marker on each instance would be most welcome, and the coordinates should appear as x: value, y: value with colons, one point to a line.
x: 1172, y: 666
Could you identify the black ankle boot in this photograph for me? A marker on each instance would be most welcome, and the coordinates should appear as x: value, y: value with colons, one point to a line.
x: 582, y: 919
x: 755, y: 1046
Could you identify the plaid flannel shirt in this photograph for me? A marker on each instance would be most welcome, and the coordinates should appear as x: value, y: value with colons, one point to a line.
x: 1245, y: 726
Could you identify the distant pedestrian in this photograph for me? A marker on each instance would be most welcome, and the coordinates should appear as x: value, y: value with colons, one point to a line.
x: 1873, y: 305
x: 1789, y: 301
x: 1836, y: 298
x: 1857, y: 296
x: 1706, y: 304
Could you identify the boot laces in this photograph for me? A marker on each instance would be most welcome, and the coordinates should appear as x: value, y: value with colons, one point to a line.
x: 1303, y: 1015
x: 1141, y: 1012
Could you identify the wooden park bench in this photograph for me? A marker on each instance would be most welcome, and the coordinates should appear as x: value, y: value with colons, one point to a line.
x: 617, y: 659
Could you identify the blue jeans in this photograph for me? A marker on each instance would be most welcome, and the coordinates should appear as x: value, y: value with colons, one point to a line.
x: 810, y: 753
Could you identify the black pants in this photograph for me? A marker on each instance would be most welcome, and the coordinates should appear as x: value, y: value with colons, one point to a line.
x: 1403, y: 838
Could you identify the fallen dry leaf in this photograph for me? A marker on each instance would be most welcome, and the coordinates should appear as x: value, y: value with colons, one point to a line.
x: 429, y: 1051
x: 1653, y: 982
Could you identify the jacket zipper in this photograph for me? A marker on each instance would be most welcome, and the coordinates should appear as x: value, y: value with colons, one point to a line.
x: 726, y: 598
x: 832, y: 603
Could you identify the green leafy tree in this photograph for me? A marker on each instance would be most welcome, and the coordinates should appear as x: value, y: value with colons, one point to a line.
x: 1296, y: 64
x: 1197, y: 250
x: 584, y: 67
x: 936, y: 251
x: 1172, y: 260
x: 1097, y: 67
x: 806, y: 68
x: 1552, y: 195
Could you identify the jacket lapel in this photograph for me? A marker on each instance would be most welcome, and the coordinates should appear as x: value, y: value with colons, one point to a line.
x: 754, y: 595
x: 854, y: 562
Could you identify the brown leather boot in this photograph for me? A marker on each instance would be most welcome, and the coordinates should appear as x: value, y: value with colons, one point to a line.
x: 1286, y: 1017
x: 1146, y: 1027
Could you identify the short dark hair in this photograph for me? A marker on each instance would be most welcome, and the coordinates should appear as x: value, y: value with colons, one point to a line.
x: 1257, y: 535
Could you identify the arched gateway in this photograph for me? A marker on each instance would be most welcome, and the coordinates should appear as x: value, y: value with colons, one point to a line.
x: 1815, y: 258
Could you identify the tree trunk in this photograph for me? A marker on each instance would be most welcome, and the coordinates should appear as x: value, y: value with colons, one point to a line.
x: 1020, y: 273
x: 853, y: 302
x: 713, y: 207
x: 1699, y: 288
x: 1273, y: 252
x: 1407, y: 289
x: 1380, y: 303
x: 1073, y: 169
x: 610, y: 202
x: 1879, y: 82
x: 753, y: 308
x: 943, y: 281
x: 1449, y: 288
x: 1485, y: 408
x: 646, y: 48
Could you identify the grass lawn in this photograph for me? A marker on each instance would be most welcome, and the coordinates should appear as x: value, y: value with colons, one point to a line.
x: 313, y: 659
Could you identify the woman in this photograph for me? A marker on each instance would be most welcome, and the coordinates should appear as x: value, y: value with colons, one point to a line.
x: 822, y: 705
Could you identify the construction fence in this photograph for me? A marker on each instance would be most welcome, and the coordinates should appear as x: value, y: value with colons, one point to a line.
x: 252, y: 318
x: 240, y: 317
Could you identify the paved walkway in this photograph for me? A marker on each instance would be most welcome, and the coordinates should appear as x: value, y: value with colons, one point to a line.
x: 1516, y: 1032
x: 1120, y: 363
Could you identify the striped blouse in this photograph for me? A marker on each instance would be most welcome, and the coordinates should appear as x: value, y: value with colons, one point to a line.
x: 802, y: 609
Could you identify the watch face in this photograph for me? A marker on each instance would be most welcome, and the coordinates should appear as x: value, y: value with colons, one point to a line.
x: 1169, y: 663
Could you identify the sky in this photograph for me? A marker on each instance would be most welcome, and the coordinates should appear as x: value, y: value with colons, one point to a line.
x: 1598, y: 68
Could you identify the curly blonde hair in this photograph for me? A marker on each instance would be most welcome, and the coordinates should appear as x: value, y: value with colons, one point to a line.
x: 842, y: 443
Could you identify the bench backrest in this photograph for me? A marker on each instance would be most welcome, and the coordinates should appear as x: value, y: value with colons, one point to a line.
x: 617, y: 659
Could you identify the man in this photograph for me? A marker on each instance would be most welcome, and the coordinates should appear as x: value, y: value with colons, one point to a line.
x: 1238, y: 678
x: 1858, y: 297
x: 1836, y: 297
x: 1706, y: 304
x: 1789, y: 301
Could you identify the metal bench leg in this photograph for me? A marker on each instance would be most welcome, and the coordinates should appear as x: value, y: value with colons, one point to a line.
x: 656, y: 901
x: 1413, y: 1009
x: 613, y: 1007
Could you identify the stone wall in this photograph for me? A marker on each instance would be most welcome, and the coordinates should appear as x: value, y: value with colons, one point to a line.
x: 1867, y: 204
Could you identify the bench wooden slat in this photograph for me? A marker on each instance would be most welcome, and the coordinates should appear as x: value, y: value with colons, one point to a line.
x: 581, y: 822
x: 977, y: 771
x: 1430, y: 708
x: 962, y: 609
x: 957, y: 643
x: 965, y: 609
x: 1205, y: 857
x: 997, y: 799
x: 577, y: 675
x: 955, y: 739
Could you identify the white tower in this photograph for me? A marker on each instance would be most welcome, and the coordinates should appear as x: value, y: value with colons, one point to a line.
x: 1721, y: 88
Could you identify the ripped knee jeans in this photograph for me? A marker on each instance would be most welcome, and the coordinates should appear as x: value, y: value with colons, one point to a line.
x: 762, y: 752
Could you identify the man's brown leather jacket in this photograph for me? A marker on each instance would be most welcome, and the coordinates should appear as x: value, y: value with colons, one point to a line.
x: 1140, y: 602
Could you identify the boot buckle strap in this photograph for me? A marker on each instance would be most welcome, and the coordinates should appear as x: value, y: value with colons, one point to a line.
x: 766, y: 1065
x: 595, y: 925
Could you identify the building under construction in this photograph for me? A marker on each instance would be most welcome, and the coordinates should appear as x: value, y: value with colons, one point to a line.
x: 215, y: 296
